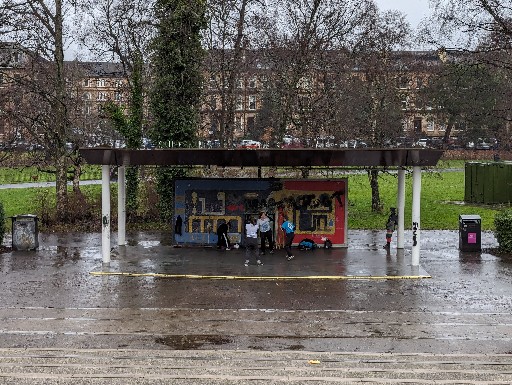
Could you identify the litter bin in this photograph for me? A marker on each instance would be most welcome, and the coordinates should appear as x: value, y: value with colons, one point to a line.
x: 25, y: 232
x: 470, y: 233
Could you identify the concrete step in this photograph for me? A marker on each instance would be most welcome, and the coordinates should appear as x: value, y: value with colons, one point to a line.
x: 127, y: 367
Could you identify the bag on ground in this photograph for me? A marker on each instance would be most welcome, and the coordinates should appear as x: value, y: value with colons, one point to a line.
x: 307, y: 244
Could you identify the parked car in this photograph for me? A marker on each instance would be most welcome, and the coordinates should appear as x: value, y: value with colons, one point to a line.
x: 291, y: 142
x: 247, y: 143
x: 423, y: 142
x: 482, y: 145
x: 353, y: 143
x: 404, y: 141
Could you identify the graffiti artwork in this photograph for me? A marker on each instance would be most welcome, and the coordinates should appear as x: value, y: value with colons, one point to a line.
x: 317, y: 207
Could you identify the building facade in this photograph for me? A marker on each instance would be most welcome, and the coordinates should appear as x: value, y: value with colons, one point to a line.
x: 233, y: 106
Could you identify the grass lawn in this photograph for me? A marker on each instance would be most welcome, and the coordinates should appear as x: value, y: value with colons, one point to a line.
x: 441, y: 201
x: 9, y: 175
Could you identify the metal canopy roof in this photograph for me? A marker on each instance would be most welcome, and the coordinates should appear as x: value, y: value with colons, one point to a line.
x: 296, y: 157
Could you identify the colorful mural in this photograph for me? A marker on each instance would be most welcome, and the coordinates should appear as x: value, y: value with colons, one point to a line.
x: 317, y: 207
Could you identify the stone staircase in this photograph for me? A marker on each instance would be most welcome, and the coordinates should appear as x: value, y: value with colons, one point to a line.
x: 186, y: 367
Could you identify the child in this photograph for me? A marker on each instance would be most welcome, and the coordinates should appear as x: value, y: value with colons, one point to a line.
x: 391, y: 224
x: 289, y: 229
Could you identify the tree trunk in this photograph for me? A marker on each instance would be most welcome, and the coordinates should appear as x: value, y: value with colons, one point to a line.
x: 60, y: 113
x: 77, y: 170
x: 61, y: 187
x: 373, y: 176
x: 448, y: 131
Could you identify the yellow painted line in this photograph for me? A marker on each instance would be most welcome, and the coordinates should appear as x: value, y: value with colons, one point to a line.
x: 260, y: 278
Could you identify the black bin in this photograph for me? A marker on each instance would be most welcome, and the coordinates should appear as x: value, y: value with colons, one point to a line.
x: 25, y: 232
x: 470, y: 233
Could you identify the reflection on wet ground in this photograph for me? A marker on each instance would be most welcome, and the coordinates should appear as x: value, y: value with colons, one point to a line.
x: 151, y: 254
x: 50, y: 299
x: 165, y: 261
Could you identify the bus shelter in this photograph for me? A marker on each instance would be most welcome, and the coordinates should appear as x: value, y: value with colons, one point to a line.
x: 385, y: 159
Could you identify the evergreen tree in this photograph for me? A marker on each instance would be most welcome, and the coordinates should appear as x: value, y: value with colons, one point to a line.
x: 177, y: 83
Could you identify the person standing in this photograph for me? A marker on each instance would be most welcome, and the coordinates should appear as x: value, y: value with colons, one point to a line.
x: 289, y: 229
x: 265, y: 233
x: 222, y: 236
x: 391, y: 224
x: 251, y: 243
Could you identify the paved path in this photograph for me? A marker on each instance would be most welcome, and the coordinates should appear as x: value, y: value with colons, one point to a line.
x: 61, y: 325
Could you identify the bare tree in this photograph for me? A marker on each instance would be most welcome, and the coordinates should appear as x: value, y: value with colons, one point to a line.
x: 462, y: 24
x: 381, y: 69
x: 305, y: 49
x: 121, y: 30
x: 39, y: 27
x: 483, y: 30
x: 228, y: 41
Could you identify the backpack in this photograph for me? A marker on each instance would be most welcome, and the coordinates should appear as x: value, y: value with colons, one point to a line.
x: 307, y: 244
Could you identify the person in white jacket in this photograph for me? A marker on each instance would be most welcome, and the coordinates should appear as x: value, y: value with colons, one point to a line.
x: 251, y: 243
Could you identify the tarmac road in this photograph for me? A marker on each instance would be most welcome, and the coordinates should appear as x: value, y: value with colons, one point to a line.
x: 456, y: 324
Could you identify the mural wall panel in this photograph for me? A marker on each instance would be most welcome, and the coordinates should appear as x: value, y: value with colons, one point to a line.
x: 317, y: 207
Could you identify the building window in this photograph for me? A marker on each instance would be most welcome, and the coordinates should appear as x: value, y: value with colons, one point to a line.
x: 100, y: 83
x: 118, y: 96
x: 404, y: 82
x: 252, y: 102
x: 87, y: 109
x: 87, y: 83
x: 213, y: 81
x: 213, y: 102
x: 252, y: 83
x: 87, y: 96
x: 238, y: 124
x: 16, y: 57
x: 102, y: 96
x: 304, y: 84
x: 430, y: 125
x: 250, y: 123
x: 405, y: 102
x: 239, y: 103
x: 417, y: 125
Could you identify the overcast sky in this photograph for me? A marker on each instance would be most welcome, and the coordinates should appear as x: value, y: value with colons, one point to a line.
x: 414, y: 9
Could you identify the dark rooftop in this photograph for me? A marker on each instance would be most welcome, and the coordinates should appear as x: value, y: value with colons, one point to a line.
x: 368, y: 157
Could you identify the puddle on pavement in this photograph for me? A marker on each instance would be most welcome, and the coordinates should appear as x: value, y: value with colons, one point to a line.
x: 190, y: 342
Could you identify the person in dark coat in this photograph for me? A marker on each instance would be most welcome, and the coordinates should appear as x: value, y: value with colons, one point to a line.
x: 222, y: 237
x: 391, y: 224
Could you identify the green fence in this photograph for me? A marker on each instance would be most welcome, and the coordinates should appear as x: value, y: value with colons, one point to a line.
x: 488, y: 182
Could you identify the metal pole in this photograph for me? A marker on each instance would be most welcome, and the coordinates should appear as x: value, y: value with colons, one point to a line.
x: 400, y: 204
x: 105, y: 213
x: 416, y: 196
x: 121, y: 206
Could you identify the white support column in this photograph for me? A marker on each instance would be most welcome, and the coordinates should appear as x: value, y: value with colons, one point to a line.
x: 416, y: 224
x: 121, y: 206
x: 105, y: 213
x: 400, y: 204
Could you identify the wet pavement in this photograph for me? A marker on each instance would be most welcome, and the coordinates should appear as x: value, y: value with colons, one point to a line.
x: 155, y: 297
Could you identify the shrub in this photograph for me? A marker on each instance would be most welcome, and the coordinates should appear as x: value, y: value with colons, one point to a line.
x: 503, y: 232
